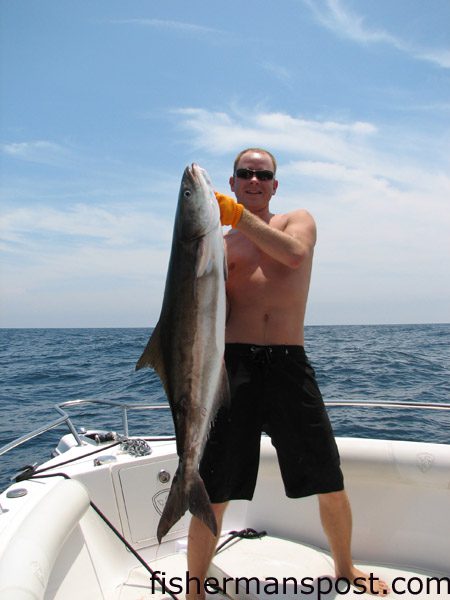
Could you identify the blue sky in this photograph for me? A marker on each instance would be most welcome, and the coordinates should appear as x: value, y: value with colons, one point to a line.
x: 104, y: 102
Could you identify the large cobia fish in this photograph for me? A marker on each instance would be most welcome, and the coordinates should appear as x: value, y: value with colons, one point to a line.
x: 187, y: 345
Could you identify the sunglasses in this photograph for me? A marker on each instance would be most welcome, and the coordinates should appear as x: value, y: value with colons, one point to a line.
x: 249, y: 174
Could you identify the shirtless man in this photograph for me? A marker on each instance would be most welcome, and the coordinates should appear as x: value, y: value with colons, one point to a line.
x: 269, y: 269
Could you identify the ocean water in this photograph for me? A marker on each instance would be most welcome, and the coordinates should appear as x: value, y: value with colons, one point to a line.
x: 42, y: 367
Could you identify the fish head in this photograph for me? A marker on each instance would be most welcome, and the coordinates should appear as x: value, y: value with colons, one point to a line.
x: 198, y: 211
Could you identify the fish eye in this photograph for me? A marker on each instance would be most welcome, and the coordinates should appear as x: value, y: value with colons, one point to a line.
x: 187, y: 193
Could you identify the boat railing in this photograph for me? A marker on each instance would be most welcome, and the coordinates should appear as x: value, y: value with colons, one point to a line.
x: 65, y: 419
x: 124, y: 408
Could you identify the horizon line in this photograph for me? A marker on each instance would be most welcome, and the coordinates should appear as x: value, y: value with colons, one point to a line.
x: 5, y: 327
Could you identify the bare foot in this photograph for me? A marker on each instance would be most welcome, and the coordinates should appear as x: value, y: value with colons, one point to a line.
x: 366, y: 582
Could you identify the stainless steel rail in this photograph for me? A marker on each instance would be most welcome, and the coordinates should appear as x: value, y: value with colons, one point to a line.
x: 125, y: 408
x: 390, y: 404
x: 65, y: 419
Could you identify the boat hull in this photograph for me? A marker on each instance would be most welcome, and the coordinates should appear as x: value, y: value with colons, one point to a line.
x: 399, y: 491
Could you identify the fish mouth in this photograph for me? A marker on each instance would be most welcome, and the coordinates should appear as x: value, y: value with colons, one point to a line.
x: 197, y: 176
x: 197, y: 173
x: 190, y: 173
x: 195, y: 170
x: 196, y: 180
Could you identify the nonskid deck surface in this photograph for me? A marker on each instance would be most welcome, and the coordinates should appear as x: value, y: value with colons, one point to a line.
x: 274, y: 568
x: 172, y: 570
x: 269, y: 568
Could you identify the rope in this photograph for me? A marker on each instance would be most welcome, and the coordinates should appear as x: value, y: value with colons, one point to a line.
x: 31, y: 470
x: 129, y: 547
x: 32, y: 473
x: 245, y: 534
x: 138, y: 447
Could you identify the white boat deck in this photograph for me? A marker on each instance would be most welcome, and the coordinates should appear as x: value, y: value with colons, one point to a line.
x: 271, y: 567
x: 276, y: 565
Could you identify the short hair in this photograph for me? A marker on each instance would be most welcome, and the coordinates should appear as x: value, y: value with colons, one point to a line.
x: 261, y: 150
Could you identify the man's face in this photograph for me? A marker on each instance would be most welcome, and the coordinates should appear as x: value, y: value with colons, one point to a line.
x: 254, y: 193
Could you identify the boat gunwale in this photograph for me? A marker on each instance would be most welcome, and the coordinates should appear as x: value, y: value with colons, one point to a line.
x: 126, y: 407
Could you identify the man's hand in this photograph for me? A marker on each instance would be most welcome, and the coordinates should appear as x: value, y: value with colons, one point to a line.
x: 230, y: 210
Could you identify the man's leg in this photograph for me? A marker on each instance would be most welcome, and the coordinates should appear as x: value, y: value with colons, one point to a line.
x: 201, y: 546
x: 336, y: 516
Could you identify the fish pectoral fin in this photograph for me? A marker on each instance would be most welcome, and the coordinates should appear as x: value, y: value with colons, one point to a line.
x: 152, y: 355
x: 178, y: 502
x: 225, y: 266
x: 225, y: 396
x: 204, y: 258
x: 222, y: 397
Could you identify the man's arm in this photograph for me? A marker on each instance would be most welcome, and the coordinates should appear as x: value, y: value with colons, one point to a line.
x: 290, y: 246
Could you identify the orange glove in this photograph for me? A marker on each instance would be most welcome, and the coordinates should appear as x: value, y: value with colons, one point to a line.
x: 230, y: 210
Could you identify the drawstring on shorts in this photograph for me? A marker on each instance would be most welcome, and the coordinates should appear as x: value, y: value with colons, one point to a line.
x: 262, y: 355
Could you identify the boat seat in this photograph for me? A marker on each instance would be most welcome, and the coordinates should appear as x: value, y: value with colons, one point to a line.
x: 269, y: 567
x: 26, y: 564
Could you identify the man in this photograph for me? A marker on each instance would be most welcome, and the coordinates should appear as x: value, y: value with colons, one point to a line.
x: 272, y: 384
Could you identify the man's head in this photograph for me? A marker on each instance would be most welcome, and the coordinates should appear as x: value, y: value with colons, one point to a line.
x: 259, y: 151
x: 253, y: 180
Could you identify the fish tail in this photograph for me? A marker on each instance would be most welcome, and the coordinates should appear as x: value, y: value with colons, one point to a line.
x: 178, y: 502
x: 200, y: 504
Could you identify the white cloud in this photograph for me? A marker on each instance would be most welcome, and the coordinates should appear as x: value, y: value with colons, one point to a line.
x: 91, y: 286
x: 220, y: 132
x: 72, y: 246
x: 39, y: 151
x: 111, y: 226
x: 333, y: 15
x: 83, y: 264
x: 337, y: 173
x: 324, y: 145
x: 279, y: 72
x: 440, y: 57
x: 181, y: 26
x: 342, y: 21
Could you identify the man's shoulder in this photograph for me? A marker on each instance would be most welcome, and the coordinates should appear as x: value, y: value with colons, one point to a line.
x: 300, y: 213
x: 298, y: 216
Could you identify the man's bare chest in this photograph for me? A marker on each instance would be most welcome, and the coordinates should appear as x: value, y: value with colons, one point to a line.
x: 248, y: 265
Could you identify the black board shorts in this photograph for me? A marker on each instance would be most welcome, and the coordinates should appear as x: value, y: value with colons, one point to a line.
x: 273, y: 390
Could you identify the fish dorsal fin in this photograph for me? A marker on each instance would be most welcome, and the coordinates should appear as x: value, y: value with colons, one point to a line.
x: 153, y: 356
